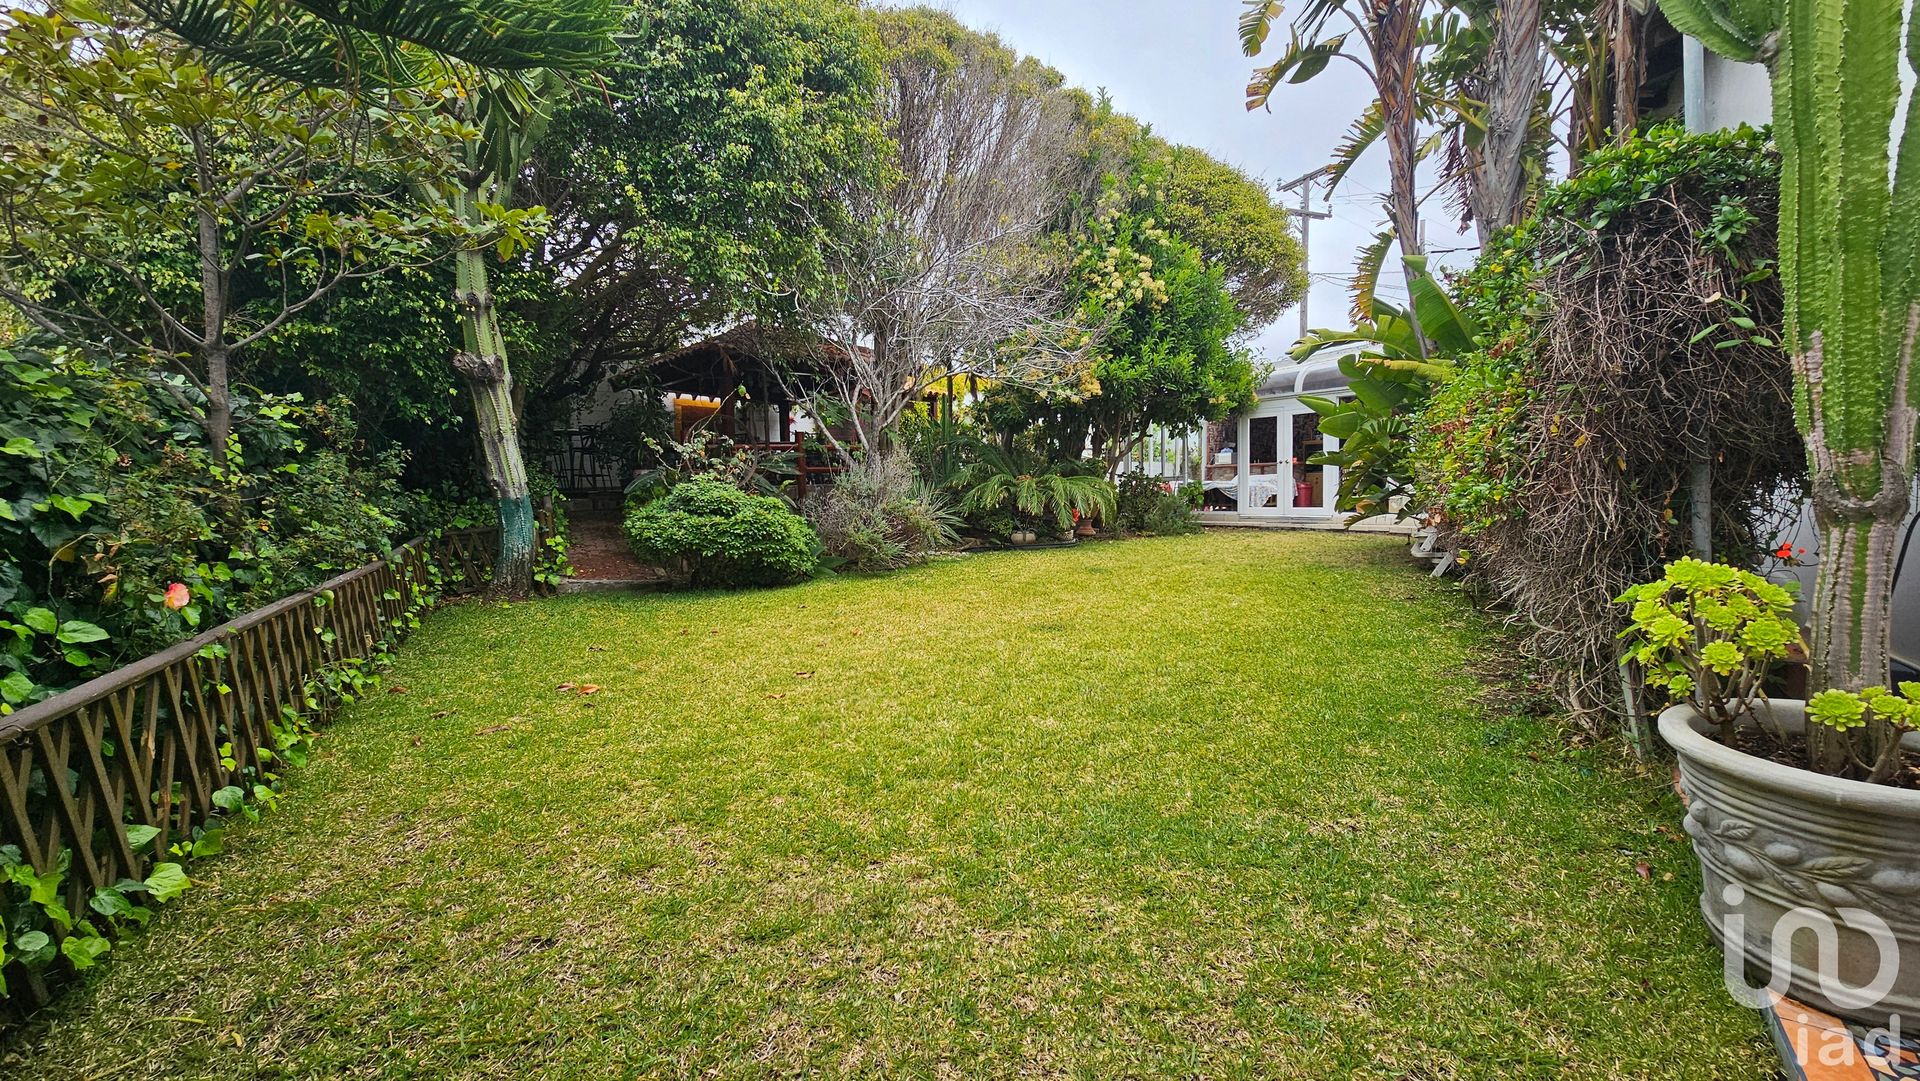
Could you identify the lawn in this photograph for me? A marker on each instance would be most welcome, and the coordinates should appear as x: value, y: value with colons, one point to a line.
x: 1215, y: 806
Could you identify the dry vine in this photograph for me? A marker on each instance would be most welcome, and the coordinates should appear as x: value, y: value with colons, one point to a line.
x: 1626, y: 393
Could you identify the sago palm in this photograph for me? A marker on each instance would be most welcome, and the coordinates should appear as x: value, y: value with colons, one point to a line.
x: 1050, y: 491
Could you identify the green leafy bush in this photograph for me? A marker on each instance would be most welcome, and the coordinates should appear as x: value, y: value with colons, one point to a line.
x: 707, y: 532
x: 123, y: 535
x: 1151, y: 505
x: 880, y: 516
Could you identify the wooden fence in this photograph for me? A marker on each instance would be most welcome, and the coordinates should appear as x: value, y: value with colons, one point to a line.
x: 151, y: 743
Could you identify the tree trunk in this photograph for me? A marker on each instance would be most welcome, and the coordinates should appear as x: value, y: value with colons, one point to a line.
x: 1396, y: 45
x: 483, y: 364
x: 1514, y: 88
x: 213, y: 338
x: 1627, y: 69
x: 214, y: 357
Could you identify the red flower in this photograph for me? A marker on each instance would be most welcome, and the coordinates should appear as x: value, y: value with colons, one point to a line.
x: 1785, y: 551
x: 177, y: 596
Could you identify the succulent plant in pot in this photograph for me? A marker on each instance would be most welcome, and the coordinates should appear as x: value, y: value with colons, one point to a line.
x: 1802, y: 813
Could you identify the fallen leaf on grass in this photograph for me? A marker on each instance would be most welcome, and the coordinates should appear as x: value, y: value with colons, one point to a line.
x: 442, y: 713
x: 803, y: 675
x: 596, y: 649
x: 589, y: 688
x: 564, y: 687
x: 780, y: 694
x: 492, y: 730
x: 396, y: 689
x: 1644, y: 870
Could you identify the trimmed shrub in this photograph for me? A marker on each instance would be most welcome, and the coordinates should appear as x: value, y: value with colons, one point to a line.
x: 707, y: 532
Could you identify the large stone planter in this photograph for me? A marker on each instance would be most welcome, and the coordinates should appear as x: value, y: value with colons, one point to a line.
x: 1778, y: 843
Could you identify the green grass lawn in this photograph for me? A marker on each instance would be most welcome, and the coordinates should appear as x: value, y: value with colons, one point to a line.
x: 1215, y: 806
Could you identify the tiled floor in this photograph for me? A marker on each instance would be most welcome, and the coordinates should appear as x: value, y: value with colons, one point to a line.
x: 1818, y: 1047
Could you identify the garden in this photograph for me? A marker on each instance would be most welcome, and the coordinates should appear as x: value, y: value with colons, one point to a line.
x: 670, y: 537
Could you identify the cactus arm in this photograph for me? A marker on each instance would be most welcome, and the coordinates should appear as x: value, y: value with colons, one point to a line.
x: 1858, y: 50
x: 1729, y: 29
x: 1902, y: 233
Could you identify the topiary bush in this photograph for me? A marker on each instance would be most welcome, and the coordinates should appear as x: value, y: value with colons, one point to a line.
x: 706, y: 532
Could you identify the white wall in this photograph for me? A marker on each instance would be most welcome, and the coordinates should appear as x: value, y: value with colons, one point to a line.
x: 1727, y: 93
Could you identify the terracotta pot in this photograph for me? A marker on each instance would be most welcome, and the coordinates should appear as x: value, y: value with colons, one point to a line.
x: 1778, y: 843
x: 1084, y: 529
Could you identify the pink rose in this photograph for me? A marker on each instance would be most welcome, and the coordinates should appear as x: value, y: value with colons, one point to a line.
x: 178, y: 596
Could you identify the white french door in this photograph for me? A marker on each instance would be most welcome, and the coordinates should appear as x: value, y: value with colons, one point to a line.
x: 1276, y: 479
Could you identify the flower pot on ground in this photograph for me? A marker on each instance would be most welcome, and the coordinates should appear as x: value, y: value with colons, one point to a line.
x: 1781, y: 847
x: 1084, y: 529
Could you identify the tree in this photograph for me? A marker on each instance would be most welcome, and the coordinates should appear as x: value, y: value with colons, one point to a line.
x: 501, y: 118
x: 1237, y: 227
x: 495, y: 68
x: 947, y: 273
x: 1849, y: 233
x: 154, y: 203
x: 1390, y: 33
x: 704, y: 185
x: 1161, y: 355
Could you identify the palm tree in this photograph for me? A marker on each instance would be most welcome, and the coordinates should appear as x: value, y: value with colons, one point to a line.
x: 334, y: 44
x: 1390, y: 33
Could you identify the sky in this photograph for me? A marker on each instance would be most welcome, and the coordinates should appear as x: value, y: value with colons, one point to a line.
x: 1176, y: 64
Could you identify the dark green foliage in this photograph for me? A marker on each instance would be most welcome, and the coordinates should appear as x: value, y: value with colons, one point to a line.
x: 1152, y: 505
x: 108, y: 497
x: 1050, y: 494
x: 334, y: 44
x: 705, y: 183
x: 384, y: 344
x: 709, y: 533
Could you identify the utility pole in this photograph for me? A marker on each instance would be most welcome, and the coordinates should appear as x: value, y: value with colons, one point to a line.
x: 1304, y: 184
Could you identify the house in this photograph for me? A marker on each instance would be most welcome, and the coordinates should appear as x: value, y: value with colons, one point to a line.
x: 1256, y: 466
x: 738, y: 383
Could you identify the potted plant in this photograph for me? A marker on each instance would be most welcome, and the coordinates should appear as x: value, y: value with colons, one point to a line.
x: 1796, y: 809
x: 1083, y: 525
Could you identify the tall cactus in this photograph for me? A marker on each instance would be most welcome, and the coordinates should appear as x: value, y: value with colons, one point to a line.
x: 1849, y: 230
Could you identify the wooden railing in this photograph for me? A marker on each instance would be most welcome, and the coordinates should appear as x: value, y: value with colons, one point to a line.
x: 151, y: 743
